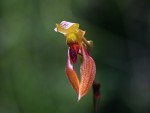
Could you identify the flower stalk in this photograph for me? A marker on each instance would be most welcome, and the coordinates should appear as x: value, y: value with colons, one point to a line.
x: 96, y: 96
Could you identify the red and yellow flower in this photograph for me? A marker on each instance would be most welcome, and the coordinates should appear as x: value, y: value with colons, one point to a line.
x: 77, y: 45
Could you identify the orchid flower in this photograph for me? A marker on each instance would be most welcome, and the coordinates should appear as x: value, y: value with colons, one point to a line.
x: 77, y: 45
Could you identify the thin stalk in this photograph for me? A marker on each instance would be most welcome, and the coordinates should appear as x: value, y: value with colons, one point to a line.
x: 96, y: 96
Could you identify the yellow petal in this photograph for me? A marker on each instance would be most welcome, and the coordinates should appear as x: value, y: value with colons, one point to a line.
x: 80, y: 34
x: 71, y: 37
x: 75, y: 37
x: 66, y: 27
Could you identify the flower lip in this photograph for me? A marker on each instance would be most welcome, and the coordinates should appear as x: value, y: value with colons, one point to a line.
x: 73, y: 52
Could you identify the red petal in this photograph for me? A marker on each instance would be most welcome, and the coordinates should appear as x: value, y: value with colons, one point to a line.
x: 87, y: 71
x: 71, y: 74
x: 73, y: 51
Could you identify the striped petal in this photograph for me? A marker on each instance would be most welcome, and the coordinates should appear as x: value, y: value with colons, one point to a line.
x: 87, y: 71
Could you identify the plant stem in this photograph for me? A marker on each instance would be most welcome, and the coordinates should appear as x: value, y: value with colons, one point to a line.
x: 96, y: 96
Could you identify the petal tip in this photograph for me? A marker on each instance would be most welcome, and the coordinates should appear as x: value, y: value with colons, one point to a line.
x: 79, y: 97
x: 55, y: 29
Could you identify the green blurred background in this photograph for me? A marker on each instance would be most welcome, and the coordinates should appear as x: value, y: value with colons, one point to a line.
x: 33, y: 56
